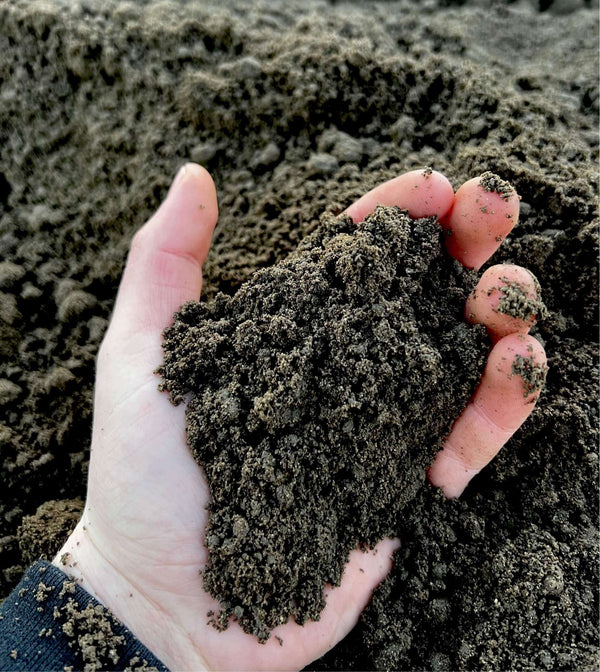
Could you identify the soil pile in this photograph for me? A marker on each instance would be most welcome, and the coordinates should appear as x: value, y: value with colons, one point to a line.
x: 317, y: 396
x: 296, y: 108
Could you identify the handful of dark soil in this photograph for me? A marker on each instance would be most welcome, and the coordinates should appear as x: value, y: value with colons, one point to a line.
x: 316, y: 398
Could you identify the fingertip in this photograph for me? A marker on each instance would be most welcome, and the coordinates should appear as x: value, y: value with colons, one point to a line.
x: 423, y: 193
x: 428, y: 193
x: 191, y: 170
x: 390, y: 545
x: 518, y: 367
x: 194, y: 172
x: 511, y: 383
x: 507, y: 300
x: 484, y: 211
x: 523, y: 344
x: 186, y: 219
x: 514, y: 376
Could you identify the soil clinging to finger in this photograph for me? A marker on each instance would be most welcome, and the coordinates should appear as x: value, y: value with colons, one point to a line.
x: 316, y: 398
x: 533, y: 373
x: 494, y: 183
x: 517, y: 301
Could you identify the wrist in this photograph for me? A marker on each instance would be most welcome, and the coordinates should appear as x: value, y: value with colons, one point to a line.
x: 81, y: 560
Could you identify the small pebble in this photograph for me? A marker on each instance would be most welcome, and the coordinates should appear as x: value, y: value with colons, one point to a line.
x: 244, y: 68
x: 74, y: 304
x: 30, y: 291
x: 321, y: 165
x: 10, y: 274
x: 204, y: 152
x: 56, y: 379
x: 9, y: 312
x: 266, y: 157
x: 9, y: 391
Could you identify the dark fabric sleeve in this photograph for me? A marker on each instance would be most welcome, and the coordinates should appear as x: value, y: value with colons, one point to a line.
x: 50, y: 623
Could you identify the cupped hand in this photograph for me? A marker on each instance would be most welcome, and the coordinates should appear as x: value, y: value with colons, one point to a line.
x: 139, y: 546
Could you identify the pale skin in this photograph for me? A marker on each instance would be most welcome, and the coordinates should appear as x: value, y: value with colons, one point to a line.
x: 140, y: 543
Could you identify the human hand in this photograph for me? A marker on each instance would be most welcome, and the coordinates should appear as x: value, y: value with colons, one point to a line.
x: 139, y: 546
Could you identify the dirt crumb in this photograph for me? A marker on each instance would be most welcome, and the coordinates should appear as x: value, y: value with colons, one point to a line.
x: 516, y: 302
x: 137, y: 663
x: 68, y: 588
x: 491, y: 182
x: 42, y: 592
x: 41, y: 535
x: 91, y: 630
x: 532, y: 373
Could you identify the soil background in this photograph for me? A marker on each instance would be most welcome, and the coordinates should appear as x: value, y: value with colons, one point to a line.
x: 298, y: 107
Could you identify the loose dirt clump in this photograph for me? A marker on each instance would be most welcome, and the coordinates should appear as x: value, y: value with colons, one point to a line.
x: 316, y: 398
x: 41, y: 535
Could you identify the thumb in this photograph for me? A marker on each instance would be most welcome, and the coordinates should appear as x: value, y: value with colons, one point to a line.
x: 164, y: 267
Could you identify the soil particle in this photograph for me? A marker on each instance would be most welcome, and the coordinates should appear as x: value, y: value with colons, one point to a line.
x: 75, y: 304
x: 316, y: 397
x: 321, y: 164
x: 532, y: 373
x: 9, y: 391
x: 42, y: 592
x: 42, y: 534
x: 516, y: 302
x: 342, y: 146
x: 91, y: 630
x: 491, y: 182
x: 10, y: 274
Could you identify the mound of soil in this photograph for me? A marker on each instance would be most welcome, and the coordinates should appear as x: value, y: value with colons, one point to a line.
x: 296, y: 107
x: 316, y: 397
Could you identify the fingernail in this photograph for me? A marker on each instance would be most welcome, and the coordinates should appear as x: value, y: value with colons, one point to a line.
x: 181, y: 173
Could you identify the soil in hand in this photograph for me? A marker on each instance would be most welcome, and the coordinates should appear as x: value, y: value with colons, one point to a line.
x: 316, y: 398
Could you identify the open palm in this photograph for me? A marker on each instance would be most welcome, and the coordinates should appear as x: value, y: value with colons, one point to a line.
x: 139, y: 547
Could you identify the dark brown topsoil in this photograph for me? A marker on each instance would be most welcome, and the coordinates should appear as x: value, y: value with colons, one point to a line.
x: 316, y: 398
x: 296, y: 108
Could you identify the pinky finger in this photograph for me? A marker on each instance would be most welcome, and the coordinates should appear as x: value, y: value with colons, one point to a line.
x: 510, y: 386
